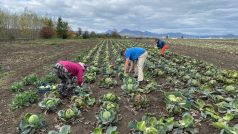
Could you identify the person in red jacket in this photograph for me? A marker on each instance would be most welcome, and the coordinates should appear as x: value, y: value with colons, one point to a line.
x: 66, y: 70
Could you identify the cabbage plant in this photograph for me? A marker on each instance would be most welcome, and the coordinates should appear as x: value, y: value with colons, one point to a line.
x: 78, y: 101
x: 62, y: 130
x: 109, y: 130
x: 151, y: 125
x: 129, y: 88
x: 108, y: 70
x: 185, y: 125
x: 233, y: 74
x: 108, y: 105
x: 45, y: 87
x: 152, y: 86
x: 139, y: 100
x: 130, y: 85
x: 225, y: 128
x: 49, y: 104
x: 199, y: 104
x: 108, y: 82
x: 187, y: 120
x: 106, y: 117
x: 210, y: 111
x: 69, y: 113
x: 49, y: 78
x: 230, y: 89
x: 30, y: 123
x: 83, y: 90
x: 17, y: 86
x: 23, y: 99
x: 176, y: 102
x: 30, y: 79
x: 109, y: 97
x: 194, y: 83
x: 93, y: 69
x: 82, y: 101
x: 90, y: 77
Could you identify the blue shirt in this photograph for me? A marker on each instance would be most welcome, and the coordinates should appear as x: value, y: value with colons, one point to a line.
x: 160, y: 44
x: 134, y: 53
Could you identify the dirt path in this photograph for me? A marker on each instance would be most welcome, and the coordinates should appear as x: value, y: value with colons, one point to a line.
x: 19, y: 60
x: 219, y: 58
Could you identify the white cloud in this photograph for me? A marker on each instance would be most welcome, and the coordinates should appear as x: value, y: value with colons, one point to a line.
x: 188, y: 16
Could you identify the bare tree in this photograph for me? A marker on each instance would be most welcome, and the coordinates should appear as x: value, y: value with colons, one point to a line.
x: 26, y: 25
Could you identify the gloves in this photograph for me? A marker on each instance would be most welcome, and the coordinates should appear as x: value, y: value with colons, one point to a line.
x: 82, y: 84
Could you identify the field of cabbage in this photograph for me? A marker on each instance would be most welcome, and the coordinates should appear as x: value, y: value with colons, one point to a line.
x: 183, y: 95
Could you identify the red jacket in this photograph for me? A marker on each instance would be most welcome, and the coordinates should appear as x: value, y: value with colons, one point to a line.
x: 75, y: 69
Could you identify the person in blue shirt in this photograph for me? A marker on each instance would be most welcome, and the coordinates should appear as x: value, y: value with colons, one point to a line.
x: 162, y: 45
x: 137, y: 55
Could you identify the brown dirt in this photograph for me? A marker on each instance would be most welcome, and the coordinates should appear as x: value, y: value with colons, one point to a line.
x: 19, y: 60
x: 218, y: 57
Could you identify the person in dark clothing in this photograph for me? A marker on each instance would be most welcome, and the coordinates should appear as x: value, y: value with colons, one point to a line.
x: 162, y: 45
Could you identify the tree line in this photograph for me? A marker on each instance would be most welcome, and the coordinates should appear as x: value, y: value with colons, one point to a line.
x: 29, y: 25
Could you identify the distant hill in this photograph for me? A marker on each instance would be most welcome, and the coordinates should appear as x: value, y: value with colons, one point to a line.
x: 109, y: 31
x: 136, y: 33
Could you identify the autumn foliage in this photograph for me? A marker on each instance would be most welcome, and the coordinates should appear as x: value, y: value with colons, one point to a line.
x: 47, y: 32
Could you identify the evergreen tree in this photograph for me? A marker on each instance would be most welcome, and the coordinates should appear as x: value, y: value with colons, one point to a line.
x: 62, y: 28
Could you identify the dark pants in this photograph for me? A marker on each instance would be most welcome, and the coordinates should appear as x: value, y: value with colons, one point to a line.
x: 67, y: 84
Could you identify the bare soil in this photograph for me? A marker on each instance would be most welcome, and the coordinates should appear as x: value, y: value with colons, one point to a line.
x: 220, y: 58
x: 19, y: 60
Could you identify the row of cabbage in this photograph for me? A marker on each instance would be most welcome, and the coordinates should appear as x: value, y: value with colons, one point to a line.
x: 32, y: 87
x: 195, y: 87
x: 204, y: 90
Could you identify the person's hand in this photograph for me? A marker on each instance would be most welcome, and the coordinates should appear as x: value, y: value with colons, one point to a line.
x: 132, y: 71
x: 125, y: 71
x: 129, y: 71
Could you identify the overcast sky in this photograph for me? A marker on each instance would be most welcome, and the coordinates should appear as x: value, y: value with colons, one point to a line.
x: 160, y: 16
